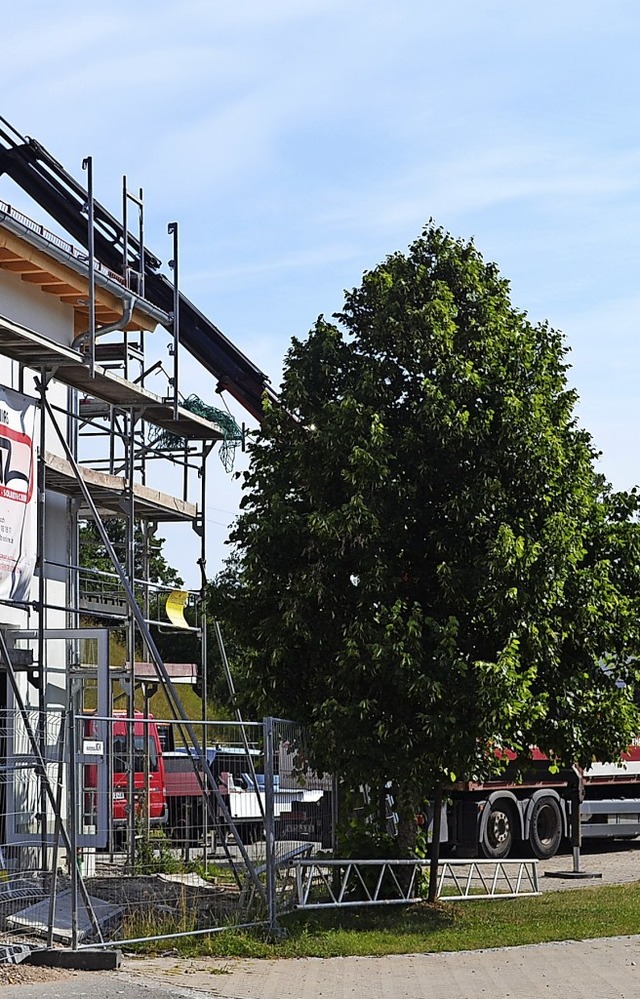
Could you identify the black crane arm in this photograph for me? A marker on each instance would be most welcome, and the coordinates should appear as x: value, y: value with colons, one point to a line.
x: 33, y: 168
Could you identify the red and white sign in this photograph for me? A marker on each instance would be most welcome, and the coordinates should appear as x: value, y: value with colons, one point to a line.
x: 17, y: 494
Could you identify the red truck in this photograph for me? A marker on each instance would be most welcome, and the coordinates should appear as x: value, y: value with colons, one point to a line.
x: 149, y: 782
x: 171, y: 791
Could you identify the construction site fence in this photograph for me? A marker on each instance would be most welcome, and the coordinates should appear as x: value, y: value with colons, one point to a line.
x: 127, y: 829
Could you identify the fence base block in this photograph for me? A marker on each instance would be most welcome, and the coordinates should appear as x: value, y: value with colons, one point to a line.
x: 572, y: 874
x: 77, y: 960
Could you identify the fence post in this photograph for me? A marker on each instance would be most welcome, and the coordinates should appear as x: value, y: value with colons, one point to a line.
x: 269, y: 825
x: 73, y: 826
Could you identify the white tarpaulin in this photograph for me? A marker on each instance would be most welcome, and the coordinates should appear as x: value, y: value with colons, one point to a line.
x: 17, y: 494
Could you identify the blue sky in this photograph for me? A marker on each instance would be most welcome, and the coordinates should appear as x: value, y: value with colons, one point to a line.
x: 298, y: 142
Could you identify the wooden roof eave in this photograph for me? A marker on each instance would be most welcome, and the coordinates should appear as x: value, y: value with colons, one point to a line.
x: 70, y: 284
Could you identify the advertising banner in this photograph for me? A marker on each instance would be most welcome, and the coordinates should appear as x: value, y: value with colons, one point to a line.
x: 18, y: 495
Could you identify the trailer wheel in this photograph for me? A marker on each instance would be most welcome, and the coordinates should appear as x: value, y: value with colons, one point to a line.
x: 545, y: 828
x: 498, y: 836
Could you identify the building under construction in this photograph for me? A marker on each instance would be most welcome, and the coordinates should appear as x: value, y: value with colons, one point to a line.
x: 84, y: 441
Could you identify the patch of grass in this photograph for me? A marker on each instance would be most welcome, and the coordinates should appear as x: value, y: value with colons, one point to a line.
x: 211, y: 872
x: 154, y: 920
x: 192, y: 704
x: 590, y: 912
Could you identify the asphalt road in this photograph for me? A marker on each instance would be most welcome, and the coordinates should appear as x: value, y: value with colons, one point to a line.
x: 96, y: 985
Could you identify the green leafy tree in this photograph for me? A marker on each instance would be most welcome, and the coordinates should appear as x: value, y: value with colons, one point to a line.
x: 428, y: 563
x: 94, y: 555
x: 153, y: 566
x: 222, y: 605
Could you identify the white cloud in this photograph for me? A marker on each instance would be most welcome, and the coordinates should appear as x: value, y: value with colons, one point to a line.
x: 300, y: 141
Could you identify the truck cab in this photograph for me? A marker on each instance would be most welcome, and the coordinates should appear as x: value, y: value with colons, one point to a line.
x: 149, y: 785
x: 135, y: 744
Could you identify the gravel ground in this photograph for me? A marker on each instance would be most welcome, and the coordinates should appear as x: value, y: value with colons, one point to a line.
x: 26, y: 974
x: 617, y: 863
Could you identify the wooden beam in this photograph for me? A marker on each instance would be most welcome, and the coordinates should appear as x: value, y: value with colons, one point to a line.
x: 72, y: 299
x: 60, y: 289
x: 37, y: 277
x: 18, y: 266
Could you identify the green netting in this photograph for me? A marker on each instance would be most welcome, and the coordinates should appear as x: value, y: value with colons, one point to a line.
x: 232, y: 434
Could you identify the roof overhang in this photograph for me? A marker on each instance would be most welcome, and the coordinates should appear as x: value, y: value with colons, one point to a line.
x: 60, y: 269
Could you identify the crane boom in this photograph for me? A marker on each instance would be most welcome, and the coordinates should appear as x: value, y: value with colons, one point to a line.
x: 45, y: 180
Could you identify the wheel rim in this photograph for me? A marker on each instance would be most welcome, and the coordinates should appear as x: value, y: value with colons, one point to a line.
x: 498, y: 829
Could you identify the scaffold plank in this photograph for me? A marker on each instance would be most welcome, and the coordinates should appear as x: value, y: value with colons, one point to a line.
x: 108, y: 491
x: 37, y: 351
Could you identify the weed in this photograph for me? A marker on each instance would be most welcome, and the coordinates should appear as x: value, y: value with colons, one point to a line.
x: 211, y: 872
x: 160, y: 921
x: 154, y: 855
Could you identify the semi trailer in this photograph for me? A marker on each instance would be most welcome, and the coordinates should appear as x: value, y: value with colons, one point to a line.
x: 532, y: 809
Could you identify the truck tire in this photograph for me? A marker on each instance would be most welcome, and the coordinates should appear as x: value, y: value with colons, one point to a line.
x: 498, y: 835
x: 545, y: 827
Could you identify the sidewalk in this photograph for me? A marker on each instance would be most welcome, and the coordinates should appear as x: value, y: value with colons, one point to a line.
x: 606, y: 968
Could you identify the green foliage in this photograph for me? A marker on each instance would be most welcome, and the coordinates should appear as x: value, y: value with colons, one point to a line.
x: 224, y: 594
x: 362, y: 841
x: 154, y: 855
x: 181, y: 646
x: 427, y: 562
x: 94, y: 554
x: 160, y: 921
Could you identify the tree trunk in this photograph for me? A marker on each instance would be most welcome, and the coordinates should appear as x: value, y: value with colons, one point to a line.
x: 435, y: 844
x: 407, y: 838
x: 407, y: 827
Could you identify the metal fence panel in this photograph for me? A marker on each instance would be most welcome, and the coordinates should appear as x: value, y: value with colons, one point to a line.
x: 194, y: 864
x: 300, y: 810
x: 192, y: 839
x: 330, y: 883
x: 168, y: 839
x: 214, y: 829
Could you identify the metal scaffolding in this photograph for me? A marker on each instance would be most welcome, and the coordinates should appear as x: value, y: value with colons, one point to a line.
x: 98, y: 454
x: 80, y: 789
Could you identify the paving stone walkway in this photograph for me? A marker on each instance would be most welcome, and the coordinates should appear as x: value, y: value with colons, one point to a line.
x: 608, y: 969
